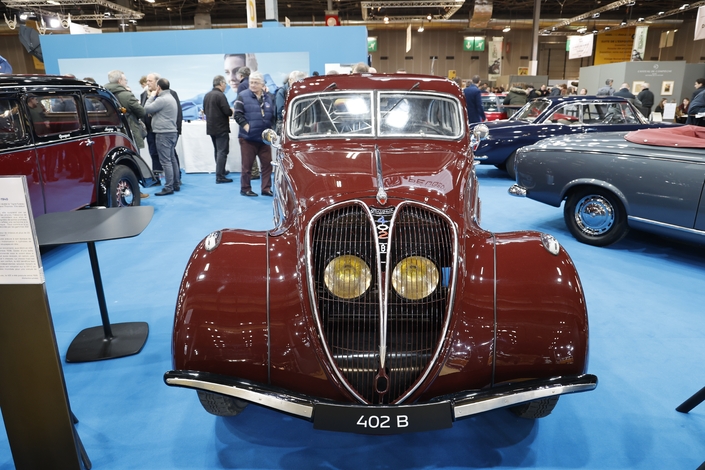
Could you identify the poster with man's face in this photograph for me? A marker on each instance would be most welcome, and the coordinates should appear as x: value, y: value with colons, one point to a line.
x: 191, y: 76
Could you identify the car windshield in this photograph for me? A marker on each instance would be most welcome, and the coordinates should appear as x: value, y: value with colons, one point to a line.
x: 491, y: 103
x: 375, y: 114
x: 531, y: 110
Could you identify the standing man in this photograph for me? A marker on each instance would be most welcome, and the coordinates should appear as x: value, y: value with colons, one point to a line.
x: 243, y: 76
x: 117, y: 85
x: 697, y: 103
x: 218, y: 112
x: 163, y: 108
x: 646, y: 97
x: 606, y: 90
x: 151, y: 88
x: 255, y: 112
x: 473, y: 101
x: 624, y: 92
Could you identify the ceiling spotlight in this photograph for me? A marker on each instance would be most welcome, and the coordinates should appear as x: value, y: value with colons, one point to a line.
x: 421, y: 28
x: 582, y: 30
x: 607, y: 28
x: 429, y: 17
x: 386, y: 20
x: 640, y: 20
x: 684, y: 6
x: 54, y: 22
x: 660, y: 13
x: 594, y: 31
x: 53, y: 2
x: 150, y: 1
x: 596, y: 15
x: 24, y: 16
x: 623, y: 22
x: 507, y: 29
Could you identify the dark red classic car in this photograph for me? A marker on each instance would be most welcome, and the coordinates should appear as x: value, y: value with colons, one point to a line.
x: 71, y: 141
x: 377, y: 303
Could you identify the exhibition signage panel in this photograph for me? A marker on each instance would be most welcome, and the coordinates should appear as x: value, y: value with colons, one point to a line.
x: 372, y: 44
x: 474, y: 43
x: 33, y: 396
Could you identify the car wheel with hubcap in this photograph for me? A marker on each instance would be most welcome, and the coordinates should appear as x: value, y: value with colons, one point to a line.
x: 509, y: 165
x: 124, y: 188
x: 595, y: 216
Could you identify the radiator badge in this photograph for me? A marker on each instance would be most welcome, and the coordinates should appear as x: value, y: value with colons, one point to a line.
x: 382, y: 218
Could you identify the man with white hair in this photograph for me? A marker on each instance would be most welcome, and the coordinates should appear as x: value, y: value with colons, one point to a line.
x: 255, y: 112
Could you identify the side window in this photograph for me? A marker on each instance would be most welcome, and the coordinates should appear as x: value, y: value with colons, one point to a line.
x: 629, y: 115
x: 11, y: 129
x: 101, y: 113
x: 567, y: 114
x: 53, y: 115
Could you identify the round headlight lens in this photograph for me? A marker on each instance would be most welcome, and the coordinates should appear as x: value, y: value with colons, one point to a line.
x: 415, y: 277
x: 347, y: 276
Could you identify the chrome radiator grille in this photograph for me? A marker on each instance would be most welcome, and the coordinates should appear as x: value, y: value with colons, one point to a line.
x: 350, y: 324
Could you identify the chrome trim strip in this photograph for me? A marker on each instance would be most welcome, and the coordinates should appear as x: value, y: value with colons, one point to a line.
x: 312, y: 293
x: 665, y: 225
x: 494, y: 305
x: 517, y: 191
x: 381, y: 193
x: 480, y: 157
x: 451, y: 294
x: 463, y: 410
x: 269, y: 329
x: 270, y: 401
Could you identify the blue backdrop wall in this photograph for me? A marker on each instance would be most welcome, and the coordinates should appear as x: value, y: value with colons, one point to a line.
x: 324, y: 44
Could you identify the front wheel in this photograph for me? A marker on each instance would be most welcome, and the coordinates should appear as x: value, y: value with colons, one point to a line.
x: 509, y: 165
x: 221, y: 405
x: 595, y: 216
x: 535, y: 409
x: 124, y: 188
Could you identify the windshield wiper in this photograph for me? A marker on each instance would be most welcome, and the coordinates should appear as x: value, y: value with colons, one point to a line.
x: 401, y: 98
x: 332, y: 86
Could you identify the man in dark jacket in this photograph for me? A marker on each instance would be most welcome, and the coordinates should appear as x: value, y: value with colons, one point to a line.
x: 473, y: 101
x: 624, y: 92
x: 697, y: 104
x: 117, y: 85
x: 218, y: 112
x: 646, y: 97
x: 255, y: 112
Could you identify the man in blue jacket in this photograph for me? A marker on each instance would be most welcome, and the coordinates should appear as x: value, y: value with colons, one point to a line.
x: 255, y: 112
x: 473, y: 101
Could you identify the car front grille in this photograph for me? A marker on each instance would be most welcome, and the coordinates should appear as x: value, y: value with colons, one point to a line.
x: 350, y: 324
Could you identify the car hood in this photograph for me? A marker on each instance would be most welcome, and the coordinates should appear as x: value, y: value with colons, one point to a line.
x: 504, y: 124
x: 416, y: 171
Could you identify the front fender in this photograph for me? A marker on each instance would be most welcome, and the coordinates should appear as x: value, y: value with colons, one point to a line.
x: 541, y: 315
x: 220, y: 323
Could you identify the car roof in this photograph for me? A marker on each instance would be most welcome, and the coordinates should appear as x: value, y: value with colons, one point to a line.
x: 375, y: 81
x: 19, y: 81
x: 581, y: 98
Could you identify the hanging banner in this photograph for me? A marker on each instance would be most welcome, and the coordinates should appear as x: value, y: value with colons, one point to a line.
x: 700, y: 24
x: 613, y: 46
x: 580, y: 46
x: 494, y: 59
x: 639, y: 46
x: 251, y: 14
x: 408, y: 38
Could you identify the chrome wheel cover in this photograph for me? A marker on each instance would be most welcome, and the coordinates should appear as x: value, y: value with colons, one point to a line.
x: 124, y: 193
x: 594, y: 215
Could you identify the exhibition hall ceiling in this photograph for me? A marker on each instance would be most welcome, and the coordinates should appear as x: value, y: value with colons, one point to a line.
x: 461, y: 15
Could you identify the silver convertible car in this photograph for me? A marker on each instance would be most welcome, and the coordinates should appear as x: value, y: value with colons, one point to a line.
x: 650, y: 179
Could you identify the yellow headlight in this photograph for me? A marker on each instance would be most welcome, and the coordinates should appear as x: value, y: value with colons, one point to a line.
x: 347, y: 276
x: 415, y: 277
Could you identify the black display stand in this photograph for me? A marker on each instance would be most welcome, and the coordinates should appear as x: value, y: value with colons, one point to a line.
x: 692, y: 402
x: 89, y: 226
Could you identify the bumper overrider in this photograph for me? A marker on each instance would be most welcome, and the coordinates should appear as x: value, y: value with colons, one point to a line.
x: 368, y: 419
x: 517, y: 190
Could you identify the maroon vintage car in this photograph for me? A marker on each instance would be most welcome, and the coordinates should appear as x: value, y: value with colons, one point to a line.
x: 71, y: 141
x: 377, y: 304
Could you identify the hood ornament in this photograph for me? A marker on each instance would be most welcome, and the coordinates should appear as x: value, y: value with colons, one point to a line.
x: 381, y: 193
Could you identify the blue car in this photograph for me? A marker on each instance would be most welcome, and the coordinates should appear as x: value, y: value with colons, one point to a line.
x: 556, y: 116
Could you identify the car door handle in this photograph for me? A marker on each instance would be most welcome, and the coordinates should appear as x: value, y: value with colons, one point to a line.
x: 88, y: 142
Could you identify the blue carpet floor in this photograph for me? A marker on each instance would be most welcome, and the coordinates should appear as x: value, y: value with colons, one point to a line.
x: 645, y: 298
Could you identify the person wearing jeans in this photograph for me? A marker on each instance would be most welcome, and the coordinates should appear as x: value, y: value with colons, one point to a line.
x: 162, y: 106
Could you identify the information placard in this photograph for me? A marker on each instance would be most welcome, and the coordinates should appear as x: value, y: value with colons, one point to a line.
x: 19, y: 253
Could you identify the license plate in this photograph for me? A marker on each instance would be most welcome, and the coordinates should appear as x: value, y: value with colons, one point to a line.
x: 382, y: 419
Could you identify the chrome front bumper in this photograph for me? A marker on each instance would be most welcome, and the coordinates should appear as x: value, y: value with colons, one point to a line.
x: 462, y: 404
x: 518, y: 191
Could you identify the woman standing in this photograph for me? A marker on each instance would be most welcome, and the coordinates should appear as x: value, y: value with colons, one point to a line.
x: 661, y: 104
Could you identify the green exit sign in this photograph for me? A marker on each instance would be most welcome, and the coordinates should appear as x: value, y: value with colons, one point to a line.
x: 371, y: 44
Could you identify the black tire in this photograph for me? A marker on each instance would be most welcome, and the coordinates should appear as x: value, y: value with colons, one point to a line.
x: 595, y: 216
x: 124, y: 188
x: 535, y: 409
x: 221, y: 405
x: 509, y: 165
